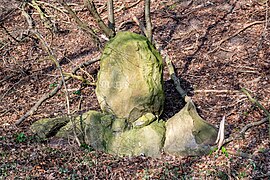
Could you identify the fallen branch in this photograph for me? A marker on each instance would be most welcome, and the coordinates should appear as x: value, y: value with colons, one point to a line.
x: 89, y: 31
x: 256, y: 102
x: 141, y: 26
x: 53, y: 92
x: 215, y: 91
x: 244, y: 129
x: 44, y: 17
x: 40, y: 101
x: 85, y: 81
x: 259, y: 105
x: 234, y: 34
x: 257, y: 123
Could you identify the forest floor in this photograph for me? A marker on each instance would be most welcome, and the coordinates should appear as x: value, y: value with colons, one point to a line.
x: 217, y: 47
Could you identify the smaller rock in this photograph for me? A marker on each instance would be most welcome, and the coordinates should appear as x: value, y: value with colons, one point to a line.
x: 48, y: 127
x: 187, y: 134
x: 144, y: 120
x: 119, y: 125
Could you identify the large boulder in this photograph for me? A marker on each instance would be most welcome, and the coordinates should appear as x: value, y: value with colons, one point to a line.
x: 110, y: 134
x: 188, y: 134
x: 130, y: 78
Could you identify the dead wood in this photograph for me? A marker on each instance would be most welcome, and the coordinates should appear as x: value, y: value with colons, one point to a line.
x: 234, y: 34
x: 92, y: 9
x: 54, y: 91
x: 89, y: 31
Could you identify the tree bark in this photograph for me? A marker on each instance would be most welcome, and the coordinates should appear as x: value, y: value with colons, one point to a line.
x: 148, y: 20
x: 111, y: 20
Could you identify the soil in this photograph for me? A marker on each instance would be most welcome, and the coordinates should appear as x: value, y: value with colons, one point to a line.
x: 217, y: 48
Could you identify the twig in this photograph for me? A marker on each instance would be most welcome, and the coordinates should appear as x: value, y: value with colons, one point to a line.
x: 123, y: 7
x: 89, y: 31
x: 79, y: 78
x: 44, y: 18
x: 8, y: 33
x: 244, y: 129
x: 259, y: 105
x: 240, y: 154
x: 215, y: 91
x: 53, y: 92
x: 256, y: 102
x: 92, y: 9
x: 138, y: 22
x: 148, y: 20
x: 175, y: 79
x: 47, y: 48
x: 257, y: 123
x: 40, y: 101
x: 2, y: 97
x: 53, y: 59
x: 234, y: 34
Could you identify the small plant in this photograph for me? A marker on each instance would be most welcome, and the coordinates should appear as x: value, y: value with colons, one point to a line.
x: 212, y: 150
x: 86, y: 147
x: 224, y: 151
x: 52, y: 85
x: 78, y: 92
x: 2, y: 138
x: 21, y: 137
x: 242, y: 175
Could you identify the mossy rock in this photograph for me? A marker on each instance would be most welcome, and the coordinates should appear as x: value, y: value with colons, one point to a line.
x: 147, y: 140
x: 93, y: 128
x: 130, y: 82
x: 48, y: 127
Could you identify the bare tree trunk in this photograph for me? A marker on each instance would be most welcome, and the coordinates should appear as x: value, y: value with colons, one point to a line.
x: 148, y: 19
x: 92, y: 8
x: 111, y: 22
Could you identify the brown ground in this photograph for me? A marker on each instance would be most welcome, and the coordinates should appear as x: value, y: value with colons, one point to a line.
x: 212, y: 73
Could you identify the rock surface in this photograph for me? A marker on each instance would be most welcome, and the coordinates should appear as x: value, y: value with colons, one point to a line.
x: 188, y: 134
x: 147, y: 140
x: 130, y: 81
x: 48, y: 127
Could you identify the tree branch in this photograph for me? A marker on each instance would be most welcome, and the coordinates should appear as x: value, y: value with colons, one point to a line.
x: 175, y: 79
x: 138, y: 22
x: 92, y: 9
x: 254, y: 101
x: 81, y: 24
x: 54, y: 91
